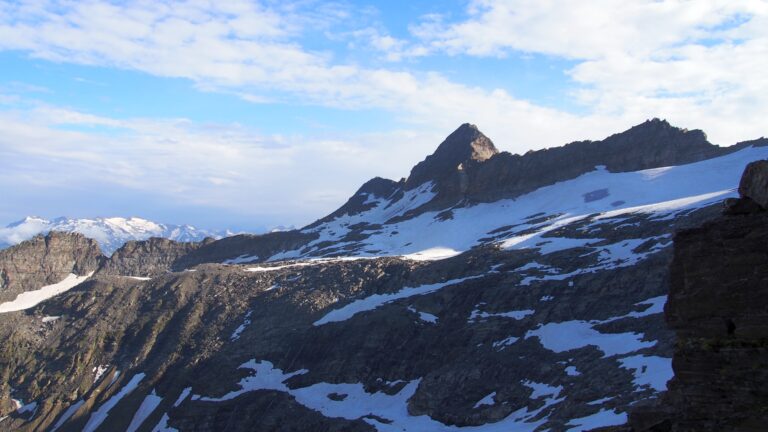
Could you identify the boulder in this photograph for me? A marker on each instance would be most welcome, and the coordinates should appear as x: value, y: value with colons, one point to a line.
x: 754, y: 183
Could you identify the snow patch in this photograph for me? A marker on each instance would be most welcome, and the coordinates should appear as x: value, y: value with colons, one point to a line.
x: 569, y: 335
x: 598, y: 419
x: 572, y: 371
x: 30, y: 299
x: 487, y: 400
x: 650, y: 371
x: 98, y: 416
x: 239, y: 330
x: 427, y: 317
x: 182, y: 396
x: 477, y: 315
x: 374, y: 301
x: 359, y: 404
x: 432, y: 254
x: 162, y: 425
x: 99, y: 371
x: 500, y: 345
x: 67, y: 414
x: 148, y: 405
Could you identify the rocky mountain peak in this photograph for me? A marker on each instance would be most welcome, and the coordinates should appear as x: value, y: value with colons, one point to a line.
x: 45, y: 260
x: 659, y: 133
x: 465, y: 145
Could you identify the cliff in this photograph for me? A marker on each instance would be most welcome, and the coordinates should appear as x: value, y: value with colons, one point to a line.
x: 46, y: 260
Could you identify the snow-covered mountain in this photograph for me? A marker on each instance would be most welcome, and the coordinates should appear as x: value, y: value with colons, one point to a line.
x: 110, y: 233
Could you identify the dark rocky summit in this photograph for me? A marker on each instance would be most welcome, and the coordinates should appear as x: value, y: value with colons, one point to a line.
x: 46, y: 260
x: 465, y: 146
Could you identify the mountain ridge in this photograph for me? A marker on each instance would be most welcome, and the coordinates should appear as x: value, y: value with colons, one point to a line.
x: 652, y: 144
x: 498, y: 175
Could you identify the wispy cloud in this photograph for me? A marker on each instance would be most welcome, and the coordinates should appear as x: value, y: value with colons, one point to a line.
x: 252, y: 50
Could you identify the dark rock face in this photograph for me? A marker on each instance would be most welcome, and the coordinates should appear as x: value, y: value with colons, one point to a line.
x: 45, y: 260
x: 147, y: 258
x: 754, y: 183
x: 717, y: 307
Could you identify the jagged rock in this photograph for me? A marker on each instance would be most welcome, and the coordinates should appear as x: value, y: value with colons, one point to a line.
x: 754, y: 183
x: 467, y: 167
x: 45, y: 260
x: 740, y: 206
x: 461, y: 148
x: 147, y: 258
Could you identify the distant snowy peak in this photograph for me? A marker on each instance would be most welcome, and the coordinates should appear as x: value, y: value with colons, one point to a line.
x: 110, y: 233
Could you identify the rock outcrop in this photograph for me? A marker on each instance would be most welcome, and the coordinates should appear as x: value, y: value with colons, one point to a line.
x: 45, y: 260
x: 754, y: 183
x: 147, y: 258
x: 365, y: 198
x: 466, y: 145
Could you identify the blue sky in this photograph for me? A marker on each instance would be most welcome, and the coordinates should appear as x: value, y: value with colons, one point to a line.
x: 252, y: 114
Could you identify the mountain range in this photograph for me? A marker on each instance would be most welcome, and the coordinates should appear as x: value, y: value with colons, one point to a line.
x: 110, y: 233
x: 484, y: 292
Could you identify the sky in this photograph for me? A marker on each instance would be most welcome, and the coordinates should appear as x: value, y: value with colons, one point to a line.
x: 248, y: 115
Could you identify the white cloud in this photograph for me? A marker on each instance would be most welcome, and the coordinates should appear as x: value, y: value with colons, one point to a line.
x: 204, y: 43
x: 640, y: 60
x: 273, y: 178
x: 583, y: 30
x: 699, y: 64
